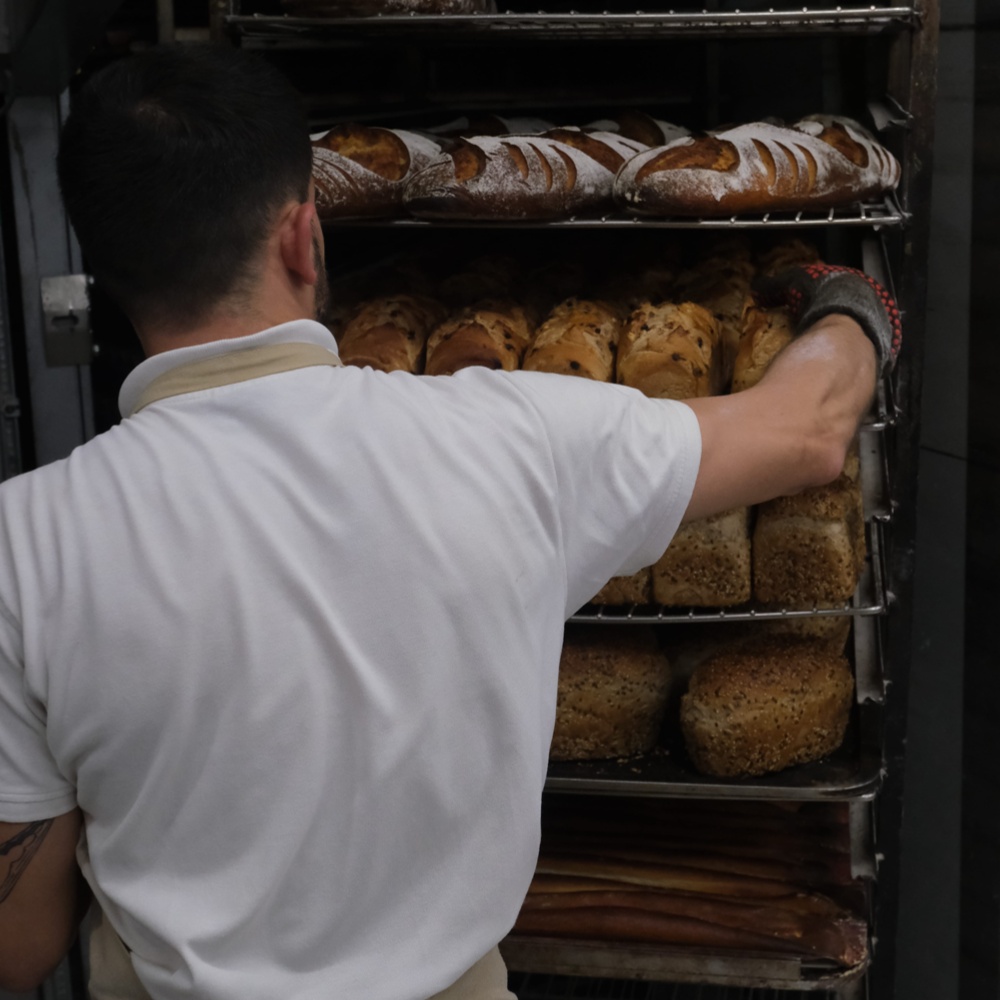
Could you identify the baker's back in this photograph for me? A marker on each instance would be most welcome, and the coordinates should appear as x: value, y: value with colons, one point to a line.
x: 294, y: 641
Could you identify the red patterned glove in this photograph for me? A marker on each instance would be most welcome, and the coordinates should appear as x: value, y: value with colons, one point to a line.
x: 813, y: 291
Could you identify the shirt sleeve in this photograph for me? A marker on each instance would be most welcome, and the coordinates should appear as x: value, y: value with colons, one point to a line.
x: 31, y: 786
x: 625, y: 468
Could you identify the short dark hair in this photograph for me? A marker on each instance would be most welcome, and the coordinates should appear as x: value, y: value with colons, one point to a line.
x: 172, y: 164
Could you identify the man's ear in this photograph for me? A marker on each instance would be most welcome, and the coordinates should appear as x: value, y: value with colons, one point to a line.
x: 297, y: 242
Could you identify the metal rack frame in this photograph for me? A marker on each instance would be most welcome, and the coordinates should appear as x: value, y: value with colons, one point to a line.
x: 909, y: 34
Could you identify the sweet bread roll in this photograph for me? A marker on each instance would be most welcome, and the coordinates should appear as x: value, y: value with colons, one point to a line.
x: 390, y: 333
x: 766, y: 705
x: 820, y: 162
x: 764, y: 332
x: 579, y: 337
x: 493, y: 334
x: 613, y: 687
x: 808, y: 549
x: 667, y: 351
x: 362, y: 170
x: 707, y: 563
x: 520, y: 177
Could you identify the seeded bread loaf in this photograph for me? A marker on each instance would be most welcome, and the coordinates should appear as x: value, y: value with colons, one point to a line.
x: 820, y: 162
x: 809, y: 549
x: 637, y: 588
x: 707, y: 563
x: 390, y: 333
x: 764, y: 706
x: 613, y: 687
x: 493, y: 333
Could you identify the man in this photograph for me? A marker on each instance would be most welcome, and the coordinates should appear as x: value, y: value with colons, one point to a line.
x: 283, y: 644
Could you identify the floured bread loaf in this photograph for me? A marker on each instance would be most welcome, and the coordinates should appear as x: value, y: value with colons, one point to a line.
x: 361, y: 170
x: 707, y: 563
x: 492, y: 333
x: 808, y: 549
x: 820, y: 162
x: 613, y: 687
x: 667, y: 351
x: 639, y: 126
x: 765, y: 705
x: 579, y: 337
x: 520, y: 177
x: 390, y: 333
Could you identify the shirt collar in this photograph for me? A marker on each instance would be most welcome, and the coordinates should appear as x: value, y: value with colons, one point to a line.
x: 300, y: 331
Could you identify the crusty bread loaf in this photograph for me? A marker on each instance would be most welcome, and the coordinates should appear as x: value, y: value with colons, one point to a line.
x: 390, y: 333
x: 820, y: 162
x: 763, y: 706
x: 579, y: 337
x: 362, y: 170
x: 808, y: 549
x: 707, y: 563
x: 764, y: 332
x: 638, y: 125
x: 789, y: 252
x: 492, y: 333
x: 520, y: 177
x: 667, y: 351
x: 468, y: 127
x: 637, y: 588
x: 613, y: 687
x: 830, y: 632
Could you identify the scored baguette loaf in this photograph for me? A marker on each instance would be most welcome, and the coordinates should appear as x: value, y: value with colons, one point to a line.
x: 492, y: 333
x: 389, y: 333
x: 520, y: 177
x: 362, y: 170
x: 820, y: 162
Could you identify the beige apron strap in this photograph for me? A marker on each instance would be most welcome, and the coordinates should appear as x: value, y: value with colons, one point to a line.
x: 235, y: 366
x: 486, y: 980
x: 112, y: 976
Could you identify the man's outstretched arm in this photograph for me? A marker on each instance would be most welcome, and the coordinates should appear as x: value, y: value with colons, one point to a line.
x: 791, y: 430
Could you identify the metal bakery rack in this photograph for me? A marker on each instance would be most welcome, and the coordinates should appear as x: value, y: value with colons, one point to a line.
x: 715, y: 61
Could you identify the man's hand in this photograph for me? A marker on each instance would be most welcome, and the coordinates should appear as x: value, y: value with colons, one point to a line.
x: 814, y: 291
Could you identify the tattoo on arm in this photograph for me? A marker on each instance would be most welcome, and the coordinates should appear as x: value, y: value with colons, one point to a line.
x: 19, y: 850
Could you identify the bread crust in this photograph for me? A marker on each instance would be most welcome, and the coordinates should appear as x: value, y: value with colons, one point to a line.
x: 764, y: 706
x: 613, y: 691
x: 820, y: 162
x: 362, y: 170
x: 667, y: 351
x: 389, y: 333
x: 491, y: 334
x: 579, y: 337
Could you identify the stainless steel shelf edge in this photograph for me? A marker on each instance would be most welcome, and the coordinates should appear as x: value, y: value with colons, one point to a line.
x: 602, y: 959
x: 315, y: 31
x: 873, y: 215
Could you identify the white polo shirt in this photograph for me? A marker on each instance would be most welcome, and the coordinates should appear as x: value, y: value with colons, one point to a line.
x: 292, y: 644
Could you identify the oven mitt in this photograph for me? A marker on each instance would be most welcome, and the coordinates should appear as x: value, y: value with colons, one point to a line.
x: 813, y: 291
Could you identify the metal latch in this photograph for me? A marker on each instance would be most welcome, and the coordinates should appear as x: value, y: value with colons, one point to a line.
x: 66, y: 305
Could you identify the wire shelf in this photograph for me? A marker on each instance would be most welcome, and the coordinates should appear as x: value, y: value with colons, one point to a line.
x: 874, y: 215
x: 293, y: 30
